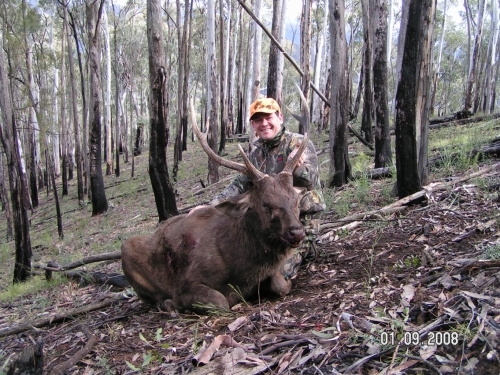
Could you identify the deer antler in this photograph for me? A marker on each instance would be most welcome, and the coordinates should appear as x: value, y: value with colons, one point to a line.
x: 248, y: 169
x: 291, y: 163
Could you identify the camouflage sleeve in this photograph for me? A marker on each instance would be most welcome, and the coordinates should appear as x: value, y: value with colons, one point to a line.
x: 307, y: 174
x: 239, y: 185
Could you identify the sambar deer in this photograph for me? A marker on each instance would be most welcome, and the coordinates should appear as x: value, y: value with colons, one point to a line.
x: 215, y: 255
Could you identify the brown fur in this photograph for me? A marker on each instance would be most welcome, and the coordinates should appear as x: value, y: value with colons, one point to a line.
x: 202, y: 257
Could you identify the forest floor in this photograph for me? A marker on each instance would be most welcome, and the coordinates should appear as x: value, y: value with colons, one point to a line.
x: 412, y: 292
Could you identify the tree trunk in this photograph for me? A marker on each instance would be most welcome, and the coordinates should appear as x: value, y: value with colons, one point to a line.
x: 55, y: 108
x: 83, y: 153
x: 489, y: 78
x: 99, y: 201
x: 438, y: 63
x: 18, y: 188
x: 367, y: 115
x: 412, y: 99
x: 64, y: 125
x: 4, y: 196
x: 272, y: 72
x: 305, y: 57
x: 470, y: 92
x: 223, y: 81
x: 159, y: 130
x: 107, y: 94
x: 212, y: 91
x: 233, y: 31
x: 281, y: 57
x: 118, y: 95
x: 32, y: 123
x: 52, y: 177
x: 318, y: 63
x: 340, y: 168
x: 256, y: 66
x: 76, y: 122
x: 383, y: 155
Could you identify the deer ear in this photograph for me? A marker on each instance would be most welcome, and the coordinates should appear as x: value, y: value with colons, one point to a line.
x: 235, y: 207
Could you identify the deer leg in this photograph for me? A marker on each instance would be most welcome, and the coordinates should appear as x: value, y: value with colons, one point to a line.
x: 203, y: 297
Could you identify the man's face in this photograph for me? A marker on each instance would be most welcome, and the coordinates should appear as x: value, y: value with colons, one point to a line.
x: 267, y: 125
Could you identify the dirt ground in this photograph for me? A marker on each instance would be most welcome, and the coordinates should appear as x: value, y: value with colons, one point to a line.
x: 412, y: 292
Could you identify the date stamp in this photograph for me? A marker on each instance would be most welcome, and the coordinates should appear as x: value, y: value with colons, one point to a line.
x: 414, y: 338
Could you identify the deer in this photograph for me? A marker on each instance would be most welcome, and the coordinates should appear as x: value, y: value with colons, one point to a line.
x: 215, y: 256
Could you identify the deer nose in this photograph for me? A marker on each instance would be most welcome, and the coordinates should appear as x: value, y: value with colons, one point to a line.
x: 297, y: 233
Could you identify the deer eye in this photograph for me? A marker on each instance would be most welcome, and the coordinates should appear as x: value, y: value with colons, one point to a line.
x: 267, y: 208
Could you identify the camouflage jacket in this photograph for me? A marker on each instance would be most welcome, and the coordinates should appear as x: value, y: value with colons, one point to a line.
x: 270, y: 157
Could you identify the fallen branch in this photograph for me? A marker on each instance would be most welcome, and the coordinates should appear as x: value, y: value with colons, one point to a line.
x: 100, y: 278
x: 62, y: 367
x: 362, y: 215
x: 283, y: 345
x: 70, y: 314
x: 90, y: 259
x: 427, y: 190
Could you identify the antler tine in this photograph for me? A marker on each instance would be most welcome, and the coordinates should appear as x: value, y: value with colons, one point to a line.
x: 254, y: 172
x: 211, y: 154
x: 291, y: 163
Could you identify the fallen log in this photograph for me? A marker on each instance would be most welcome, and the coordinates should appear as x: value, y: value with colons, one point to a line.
x: 62, y: 367
x: 492, y: 150
x: 470, y: 120
x: 69, y: 314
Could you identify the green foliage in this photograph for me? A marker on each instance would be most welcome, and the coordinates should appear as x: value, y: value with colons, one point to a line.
x: 489, y: 251
x: 153, y: 355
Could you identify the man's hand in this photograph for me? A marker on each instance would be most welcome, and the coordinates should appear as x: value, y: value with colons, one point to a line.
x: 302, y: 158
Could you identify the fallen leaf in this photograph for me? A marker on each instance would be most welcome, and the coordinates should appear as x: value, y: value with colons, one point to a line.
x: 427, y: 351
x: 242, y: 320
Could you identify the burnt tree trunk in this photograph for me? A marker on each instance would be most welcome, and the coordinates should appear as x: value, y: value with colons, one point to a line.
x: 340, y: 168
x: 99, y: 201
x: 412, y: 100
x: 158, y: 170
x: 383, y: 156
x: 52, y: 176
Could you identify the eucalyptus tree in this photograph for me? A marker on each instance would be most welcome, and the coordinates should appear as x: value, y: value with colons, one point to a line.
x: 368, y: 105
x: 340, y: 168
x: 281, y: 57
x: 4, y: 197
x: 412, y: 98
x: 85, y: 113
x: 212, y: 92
x: 158, y: 141
x: 224, y: 77
x: 272, y: 71
x: 17, y: 184
x: 107, y: 93
x: 64, y: 125
x: 305, y: 56
x: 472, y: 84
x: 183, y: 69
x: 319, y: 60
x: 94, y: 11
x: 76, y: 119
x: 485, y: 102
x: 383, y: 155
